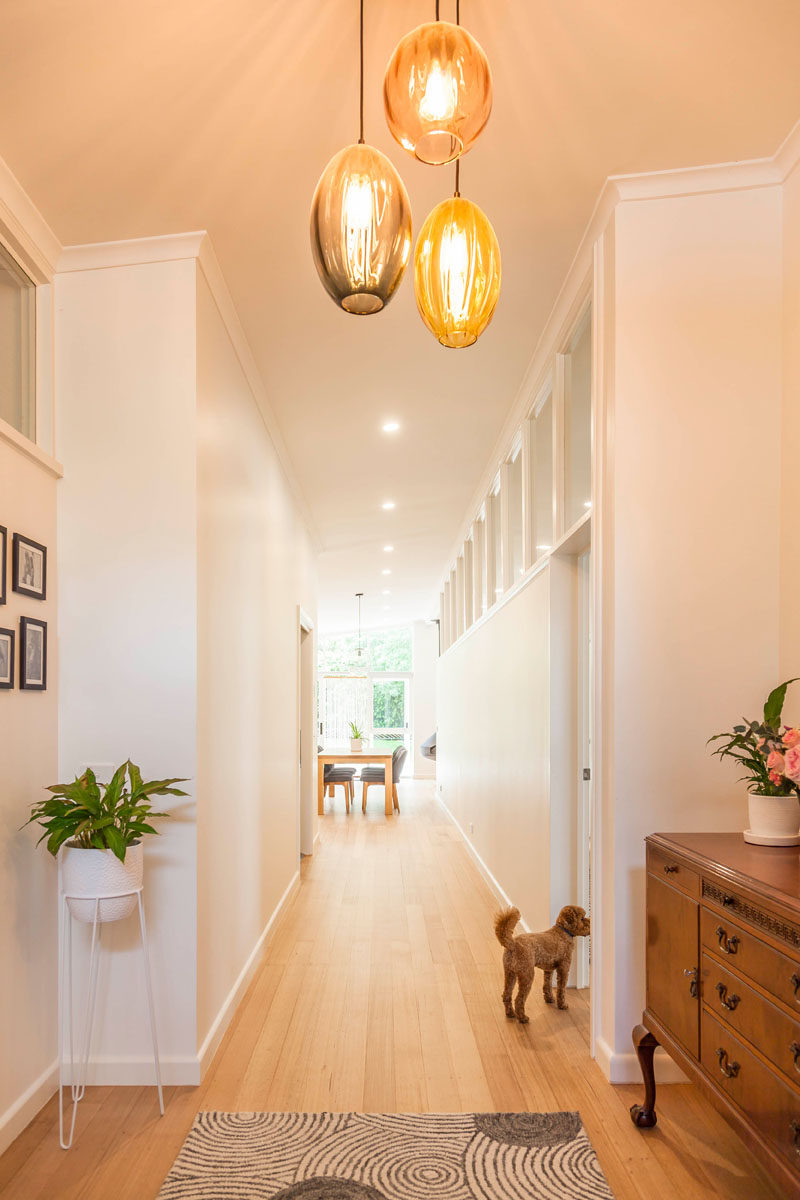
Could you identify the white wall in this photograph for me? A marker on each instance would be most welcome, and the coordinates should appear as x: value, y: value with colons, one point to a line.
x: 255, y: 566
x: 28, y: 763
x: 789, y: 442
x: 494, y: 742
x: 696, y: 499
x: 425, y: 650
x: 125, y: 393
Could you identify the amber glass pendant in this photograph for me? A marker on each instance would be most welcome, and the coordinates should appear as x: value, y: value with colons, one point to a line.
x: 457, y: 272
x: 437, y: 92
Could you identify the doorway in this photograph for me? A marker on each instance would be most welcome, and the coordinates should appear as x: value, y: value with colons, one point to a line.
x: 584, y: 759
x: 306, y: 736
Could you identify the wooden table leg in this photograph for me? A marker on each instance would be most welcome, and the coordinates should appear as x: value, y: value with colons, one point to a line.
x: 320, y: 789
x: 387, y: 774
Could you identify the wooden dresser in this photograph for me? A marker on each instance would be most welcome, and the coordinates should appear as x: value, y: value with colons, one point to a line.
x: 723, y: 985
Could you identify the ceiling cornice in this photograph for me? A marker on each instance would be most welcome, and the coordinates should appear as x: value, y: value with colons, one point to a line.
x: 30, y: 238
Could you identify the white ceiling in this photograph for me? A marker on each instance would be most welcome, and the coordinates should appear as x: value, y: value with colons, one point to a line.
x: 128, y: 118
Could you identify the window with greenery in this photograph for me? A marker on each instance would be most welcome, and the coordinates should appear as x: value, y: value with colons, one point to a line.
x: 17, y: 346
x: 386, y: 650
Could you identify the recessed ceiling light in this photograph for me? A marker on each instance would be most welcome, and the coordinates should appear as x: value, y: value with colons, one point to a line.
x: 391, y: 427
x: 388, y: 504
x: 386, y: 592
x: 386, y: 571
x: 388, y: 549
x: 386, y: 608
x: 587, y: 504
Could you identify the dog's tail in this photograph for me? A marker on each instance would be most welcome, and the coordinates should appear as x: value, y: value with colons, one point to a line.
x: 504, y: 924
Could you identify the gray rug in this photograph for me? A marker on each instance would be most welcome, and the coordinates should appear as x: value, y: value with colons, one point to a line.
x: 374, y: 1156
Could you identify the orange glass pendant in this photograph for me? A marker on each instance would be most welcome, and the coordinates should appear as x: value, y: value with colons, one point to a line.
x: 437, y: 92
x: 457, y: 272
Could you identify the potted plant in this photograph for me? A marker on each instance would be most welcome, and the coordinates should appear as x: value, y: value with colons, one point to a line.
x: 98, y: 828
x: 356, y: 737
x: 770, y: 757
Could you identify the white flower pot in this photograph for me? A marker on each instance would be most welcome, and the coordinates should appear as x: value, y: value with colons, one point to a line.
x: 774, y: 820
x: 96, y: 873
x: 355, y: 745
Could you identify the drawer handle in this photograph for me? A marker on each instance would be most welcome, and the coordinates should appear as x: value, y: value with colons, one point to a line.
x: 691, y: 975
x: 795, y: 1049
x: 729, y: 1069
x: 730, y: 1002
x: 795, y: 982
x: 727, y: 944
x: 795, y: 1128
x: 728, y: 901
x: 670, y: 869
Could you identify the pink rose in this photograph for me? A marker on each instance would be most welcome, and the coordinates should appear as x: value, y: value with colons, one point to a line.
x: 792, y: 764
x: 775, y: 762
x: 776, y: 778
x: 791, y: 738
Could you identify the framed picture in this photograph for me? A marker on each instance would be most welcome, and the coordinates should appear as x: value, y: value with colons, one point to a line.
x: 3, y: 557
x: 29, y: 567
x: 32, y: 654
x: 6, y: 658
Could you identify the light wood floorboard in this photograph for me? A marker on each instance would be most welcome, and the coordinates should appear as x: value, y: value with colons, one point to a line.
x: 380, y: 991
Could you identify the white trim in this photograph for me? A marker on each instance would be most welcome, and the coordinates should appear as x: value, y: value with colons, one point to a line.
x: 26, y: 1106
x: 138, y: 1071
x: 100, y: 256
x: 223, y: 1018
x: 494, y: 886
x: 306, y: 622
x: 624, y: 1068
x: 24, y: 446
x: 29, y: 236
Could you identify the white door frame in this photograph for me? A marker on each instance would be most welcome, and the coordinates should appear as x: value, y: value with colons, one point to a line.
x: 584, y: 755
x: 306, y: 737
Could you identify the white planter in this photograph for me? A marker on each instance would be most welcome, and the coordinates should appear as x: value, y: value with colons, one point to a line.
x: 773, y: 817
x: 96, y: 873
x: 355, y: 745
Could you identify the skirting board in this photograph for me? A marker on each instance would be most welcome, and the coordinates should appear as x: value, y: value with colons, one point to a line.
x: 225, y: 1014
x: 494, y: 886
x: 26, y: 1106
x: 624, y: 1068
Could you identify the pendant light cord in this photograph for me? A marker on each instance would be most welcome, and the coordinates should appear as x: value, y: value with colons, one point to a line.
x: 458, y: 160
x: 361, y: 79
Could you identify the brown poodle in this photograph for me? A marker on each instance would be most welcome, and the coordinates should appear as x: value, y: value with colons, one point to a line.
x: 550, y: 950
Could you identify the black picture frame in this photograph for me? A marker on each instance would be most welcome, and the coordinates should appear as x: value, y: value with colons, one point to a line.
x: 3, y: 561
x: 30, y: 679
x: 6, y: 659
x: 20, y: 575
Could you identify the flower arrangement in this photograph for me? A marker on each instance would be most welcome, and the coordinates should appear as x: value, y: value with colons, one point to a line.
x: 769, y: 754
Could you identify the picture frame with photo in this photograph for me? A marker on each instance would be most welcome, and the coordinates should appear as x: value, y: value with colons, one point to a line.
x: 29, y: 567
x: 6, y: 659
x: 3, y: 559
x: 32, y: 654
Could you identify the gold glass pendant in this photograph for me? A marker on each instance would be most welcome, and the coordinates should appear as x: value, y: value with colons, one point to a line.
x: 360, y: 229
x: 457, y: 272
x: 437, y: 92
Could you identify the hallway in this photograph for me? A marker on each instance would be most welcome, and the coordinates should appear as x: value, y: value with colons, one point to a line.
x: 380, y: 992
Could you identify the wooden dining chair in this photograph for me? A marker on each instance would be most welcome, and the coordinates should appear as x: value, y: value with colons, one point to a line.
x: 373, y: 775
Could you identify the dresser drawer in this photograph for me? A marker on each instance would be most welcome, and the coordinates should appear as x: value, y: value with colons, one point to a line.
x: 672, y: 870
x: 772, y: 1106
x: 757, y: 960
x: 767, y: 1027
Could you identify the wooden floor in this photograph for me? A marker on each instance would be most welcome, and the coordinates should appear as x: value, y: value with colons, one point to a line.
x: 380, y: 991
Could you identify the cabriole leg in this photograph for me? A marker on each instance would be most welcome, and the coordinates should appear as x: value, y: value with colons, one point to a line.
x: 644, y: 1115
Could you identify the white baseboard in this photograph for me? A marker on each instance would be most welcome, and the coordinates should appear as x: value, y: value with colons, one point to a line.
x: 138, y: 1071
x: 26, y: 1106
x: 624, y: 1068
x: 223, y: 1018
x: 494, y: 886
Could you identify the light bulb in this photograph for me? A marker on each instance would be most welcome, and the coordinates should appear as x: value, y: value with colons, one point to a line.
x: 440, y: 98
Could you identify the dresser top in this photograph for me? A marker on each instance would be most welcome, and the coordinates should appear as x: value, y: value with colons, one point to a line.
x: 771, y: 869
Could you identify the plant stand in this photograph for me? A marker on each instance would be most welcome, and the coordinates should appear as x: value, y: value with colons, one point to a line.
x: 79, y: 1062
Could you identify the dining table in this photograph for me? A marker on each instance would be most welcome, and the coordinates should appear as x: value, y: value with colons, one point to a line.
x: 367, y: 755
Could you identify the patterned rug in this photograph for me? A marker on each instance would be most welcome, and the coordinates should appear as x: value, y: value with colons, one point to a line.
x: 373, y: 1156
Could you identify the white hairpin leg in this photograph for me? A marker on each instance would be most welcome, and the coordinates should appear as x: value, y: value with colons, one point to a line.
x: 79, y: 1062
x: 150, y: 1007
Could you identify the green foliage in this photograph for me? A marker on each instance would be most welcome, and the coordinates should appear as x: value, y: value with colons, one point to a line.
x: 774, y: 706
x: 752, y: 744
x: 388, y: 704
x: 381, y: 650
x: 101, y: 816
x: 355, y: 730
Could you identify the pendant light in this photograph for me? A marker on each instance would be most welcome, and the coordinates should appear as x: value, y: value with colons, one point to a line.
x: 360, y: 223
x: 437, y: 91
x: 457, y: 271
